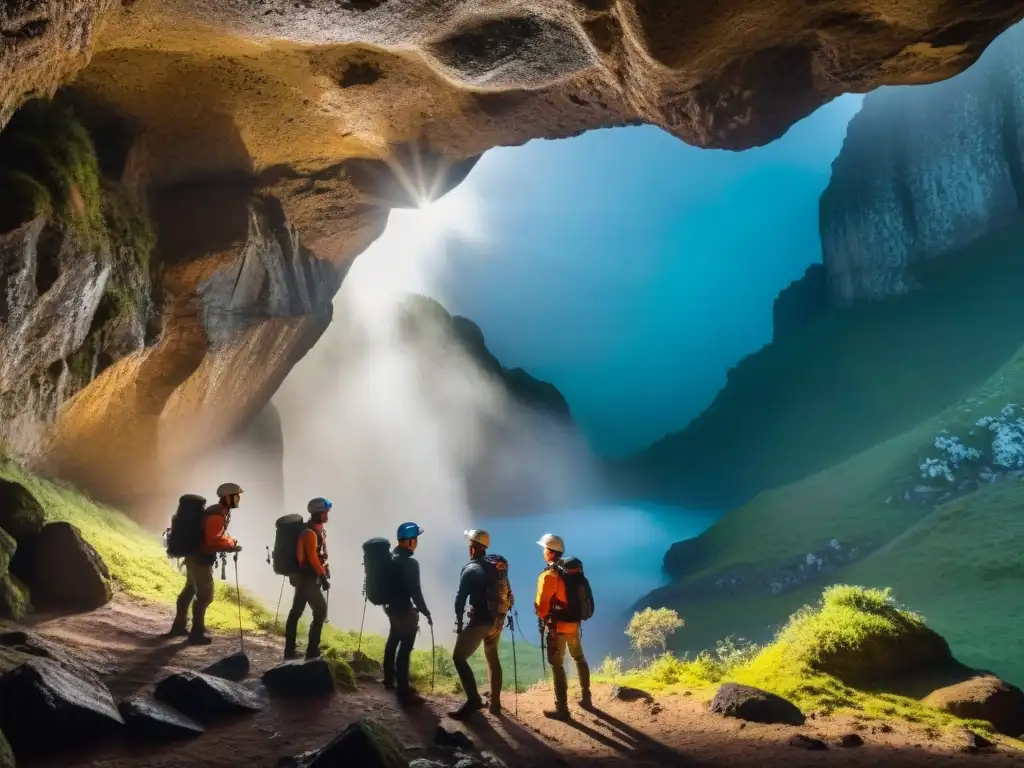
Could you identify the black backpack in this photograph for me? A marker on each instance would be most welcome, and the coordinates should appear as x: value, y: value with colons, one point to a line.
x: 579, y: 596
x: 185, y: 536
x: 377, y: 570
x: 285, y: 557
x: 499, y: 591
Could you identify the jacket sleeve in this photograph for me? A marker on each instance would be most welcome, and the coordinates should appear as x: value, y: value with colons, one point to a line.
x: 308, y: 552
x: 545, y: 592
x: 463, y: 594
x: 412, y: 575
x: 215, y: 534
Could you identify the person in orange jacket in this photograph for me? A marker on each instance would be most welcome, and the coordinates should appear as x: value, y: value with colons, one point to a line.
x: 559, y: 635
x: 313, y: 576
x: 198, y: 591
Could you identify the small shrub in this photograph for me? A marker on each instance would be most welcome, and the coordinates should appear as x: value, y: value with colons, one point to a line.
x: 341, y: 671
x: 650, y: 629
x: 610, y: 667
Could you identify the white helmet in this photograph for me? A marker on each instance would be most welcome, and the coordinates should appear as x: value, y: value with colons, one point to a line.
x: 228, y: 489
x: 552, y: 542
x: 483, y: 538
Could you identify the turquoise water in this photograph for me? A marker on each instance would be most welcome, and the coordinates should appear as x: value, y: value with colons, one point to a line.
x: 621, y: 546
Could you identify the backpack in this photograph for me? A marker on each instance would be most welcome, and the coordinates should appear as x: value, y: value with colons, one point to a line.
x: 499, y: 591
x: 377, y: 571
x: 579, y: 596
x: 285, y: 557
x: 185, y: 536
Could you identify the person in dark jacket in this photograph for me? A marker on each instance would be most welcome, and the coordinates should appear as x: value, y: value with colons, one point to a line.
x: 484, y: 627
x: 312, y: 580
x: 403, y: 611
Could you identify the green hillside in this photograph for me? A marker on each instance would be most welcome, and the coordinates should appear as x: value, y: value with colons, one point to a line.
x: 845, y: 383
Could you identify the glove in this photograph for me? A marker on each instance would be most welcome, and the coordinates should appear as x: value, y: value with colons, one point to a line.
x: 237, y: 548
x: 325, y: 583
x: 430, y: 620
x: 509, y: 624
x: 328, y: 569
x: 458, y: 625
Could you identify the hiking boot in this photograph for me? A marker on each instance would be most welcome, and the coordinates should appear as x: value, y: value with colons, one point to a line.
x: 389, y: 685
x: 467, y: 709
x: 494, y: 706
x: 558, y: 713
x: 198, y: 638
x: 290, y: 654
x: 586, y: 702
x: 314, y: 654
x: 177, y: 630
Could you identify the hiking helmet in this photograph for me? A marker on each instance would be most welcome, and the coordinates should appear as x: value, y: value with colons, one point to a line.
x: 319, y: 506
x: 552, y: 542
x: 228, y: 489
x: 477, y: 536
x: 409, y: 531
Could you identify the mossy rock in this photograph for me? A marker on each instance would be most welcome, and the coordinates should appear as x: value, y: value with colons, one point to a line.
x: 6, y: 755
x: 21, y: 515
x: 13, y: 596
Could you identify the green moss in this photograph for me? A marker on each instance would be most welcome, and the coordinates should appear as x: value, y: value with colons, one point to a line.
x: 46, y: 143
x: 13, y: 595
x: 129, y: 228
x: 341, y: 671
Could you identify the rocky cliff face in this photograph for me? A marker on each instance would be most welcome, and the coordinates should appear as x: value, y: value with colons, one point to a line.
x: 279, y: 134
x: 924, y: 171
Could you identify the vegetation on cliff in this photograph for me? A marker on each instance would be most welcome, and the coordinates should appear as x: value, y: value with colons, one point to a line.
x: 879, y: 518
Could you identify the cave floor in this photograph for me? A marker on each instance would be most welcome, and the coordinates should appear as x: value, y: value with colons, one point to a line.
x: 122, y: 641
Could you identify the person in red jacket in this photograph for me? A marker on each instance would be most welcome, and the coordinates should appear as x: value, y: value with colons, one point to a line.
x: 313, y: 576
x: 198, y: 591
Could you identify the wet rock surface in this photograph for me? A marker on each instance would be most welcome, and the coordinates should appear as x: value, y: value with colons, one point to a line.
x: 50, y: 700
x: 234, y: 667
x: 148, y: 720
x: 300, y: 679
x: 204, y: 697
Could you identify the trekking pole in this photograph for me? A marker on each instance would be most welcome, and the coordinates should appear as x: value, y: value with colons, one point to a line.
x: 359, y: 645
x: 543, y: 667
x: 238, y: 596
x: 433, y: 665
x: 280, y: 597
x: 515, y: 666
x: 328, y: 601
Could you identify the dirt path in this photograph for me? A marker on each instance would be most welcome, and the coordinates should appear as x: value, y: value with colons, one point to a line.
x: 122, y: 641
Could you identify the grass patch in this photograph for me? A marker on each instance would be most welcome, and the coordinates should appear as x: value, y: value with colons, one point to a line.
x: 848, y: 623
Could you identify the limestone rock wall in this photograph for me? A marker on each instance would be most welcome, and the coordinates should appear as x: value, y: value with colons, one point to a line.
x: 924, y: 171
x: 281, y: 133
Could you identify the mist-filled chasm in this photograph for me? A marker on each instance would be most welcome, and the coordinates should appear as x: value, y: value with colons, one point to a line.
x: 393, y: 419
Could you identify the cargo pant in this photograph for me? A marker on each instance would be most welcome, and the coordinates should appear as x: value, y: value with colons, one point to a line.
x: 307, y: 592
x: 466, y: 644
x: 405, y: 623
x: 558, y: 643
x: 198, y: 592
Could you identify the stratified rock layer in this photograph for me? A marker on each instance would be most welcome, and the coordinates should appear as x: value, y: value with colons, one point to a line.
x: 280, y: 133
x: 924, y: 171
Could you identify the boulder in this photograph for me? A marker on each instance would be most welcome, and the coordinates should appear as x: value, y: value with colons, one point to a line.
x: 300, y: 678
x: 13, y: 594
x: 364, y: 743
x: 974, y: 742
x: 234, y: 667
x: 364, y: 667
x: 625, y: 693
x: 152, y: 721
x: 18, y: 646
x: 204, y: 697
x: 20, y: 513
x: 62, y: 570
x: 6, y: 754
x: 850, y: 741
x: 800, y: 741
x: 754, y: 705
x: 53, y: 700
x: 983, y: 698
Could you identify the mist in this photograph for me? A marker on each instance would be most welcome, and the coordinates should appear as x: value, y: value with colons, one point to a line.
x: 393, y: 425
